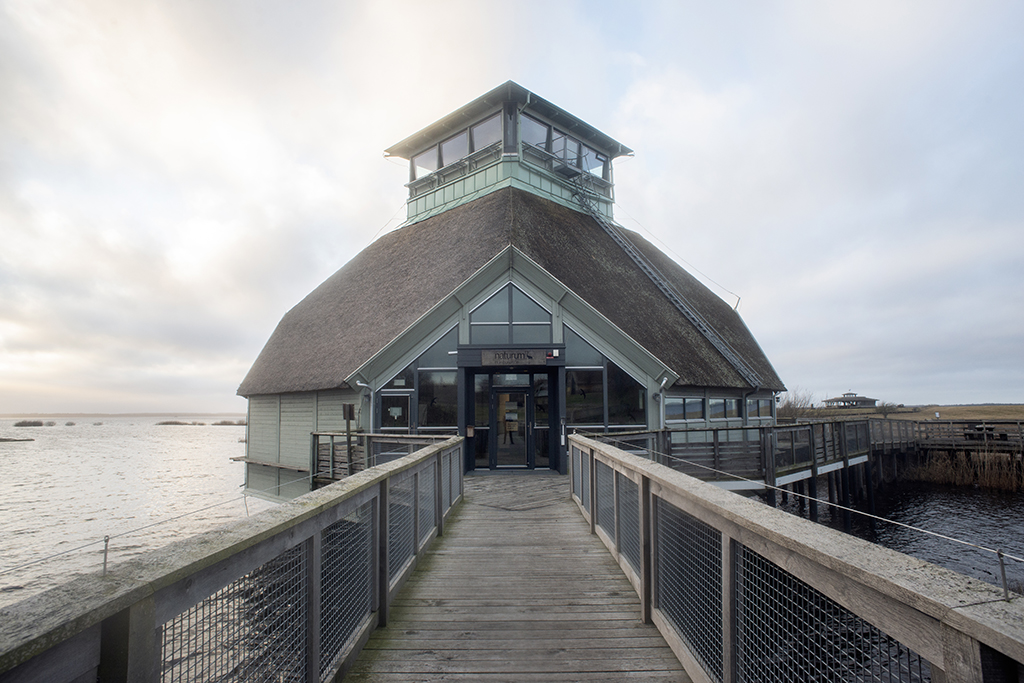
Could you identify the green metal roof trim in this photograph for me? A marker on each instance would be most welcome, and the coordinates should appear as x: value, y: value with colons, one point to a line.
x: 392, y: 283
x: 492, y: 101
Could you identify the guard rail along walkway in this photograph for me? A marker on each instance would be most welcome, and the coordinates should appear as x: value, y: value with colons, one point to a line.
x: 744, y: 592
x: 290, y: 594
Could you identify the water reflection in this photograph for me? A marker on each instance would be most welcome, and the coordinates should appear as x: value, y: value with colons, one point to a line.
x: 74, y: 484
x: 992, y: 519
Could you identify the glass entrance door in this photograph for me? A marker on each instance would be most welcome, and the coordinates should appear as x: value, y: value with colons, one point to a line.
x: 511, y: 428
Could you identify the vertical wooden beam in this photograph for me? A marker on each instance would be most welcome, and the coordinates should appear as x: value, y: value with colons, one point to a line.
x: 961, y: 657
x: 768, y: 450
x: 845, y: 478
x: 592, y: 476
x: 314, y: 559
x: 728, y: 608
x: 439, y: 492
x: 615, y: 509
x: 130, y: 645
x: 646, y: 551
x: 383, y: 582
x: 812, y: 487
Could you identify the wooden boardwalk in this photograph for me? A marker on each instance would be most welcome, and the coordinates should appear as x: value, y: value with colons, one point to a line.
x: 517, y: 590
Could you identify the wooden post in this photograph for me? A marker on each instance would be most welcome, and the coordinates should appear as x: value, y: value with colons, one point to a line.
x: 768, y: 450
x: 728, y: 608
x: 330, y: 470
x: 381, y: 537
x: 349, y: 410
x: 845, y: 478
x: 592, y: 477
x: 313, y: 594
x: 439, y: 493
x: 812, y: 487
x: 717, y: 451
x: 646, y: 551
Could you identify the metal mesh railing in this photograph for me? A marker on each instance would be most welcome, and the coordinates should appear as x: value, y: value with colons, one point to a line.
x: 605, y: 485
x: 346, y: 584
x: 401, y: 515
x: 253, y: 629
x: 688, y: 587
x: 425, y: 502
x: 629, y: 521
x: 788, y: 631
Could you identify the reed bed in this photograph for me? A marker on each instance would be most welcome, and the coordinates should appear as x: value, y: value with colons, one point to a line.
x: 997, y: 471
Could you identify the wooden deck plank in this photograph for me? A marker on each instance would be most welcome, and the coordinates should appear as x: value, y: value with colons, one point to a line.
x: 517, y: 590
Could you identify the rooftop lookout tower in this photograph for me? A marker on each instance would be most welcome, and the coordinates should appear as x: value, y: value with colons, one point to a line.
x: 509, y: 137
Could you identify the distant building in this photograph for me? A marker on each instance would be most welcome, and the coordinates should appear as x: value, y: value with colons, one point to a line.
x: 509, y: 309
x: 850, y: 400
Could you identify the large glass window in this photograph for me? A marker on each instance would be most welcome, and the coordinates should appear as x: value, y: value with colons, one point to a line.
x: 579, y: 353
x: 565, y: 148
x: 679, y: 408
x: 627, y: 403
x: 486, y: 133
x: 425, y: 163
x: 473, y: 139
x: 509, y: 317
x: 723, y: 408
x: 394, y: 412
x: 584, y: 397
x: 598, y: 393
x: 442, y: 354
x: 533, y: 132
x: 594, y: 162
x: 438, y: 399
x: 759, y: 407
x: 455, y: 148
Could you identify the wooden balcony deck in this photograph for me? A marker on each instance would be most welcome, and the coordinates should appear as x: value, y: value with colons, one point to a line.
x: 517, y: 590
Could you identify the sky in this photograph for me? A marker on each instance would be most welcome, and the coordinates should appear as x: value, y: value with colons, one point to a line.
x: 175, y: 176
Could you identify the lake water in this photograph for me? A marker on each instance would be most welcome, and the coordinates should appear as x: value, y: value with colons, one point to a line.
x: 981, y: 517
x: 75, y: 484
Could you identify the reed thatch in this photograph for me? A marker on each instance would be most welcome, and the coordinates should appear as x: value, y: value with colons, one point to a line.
x: 377, y: 295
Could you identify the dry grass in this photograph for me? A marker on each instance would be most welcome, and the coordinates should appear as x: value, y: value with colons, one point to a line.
x: 999, y: 471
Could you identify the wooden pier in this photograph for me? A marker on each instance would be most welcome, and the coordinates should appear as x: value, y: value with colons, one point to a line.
x: 517, y: 589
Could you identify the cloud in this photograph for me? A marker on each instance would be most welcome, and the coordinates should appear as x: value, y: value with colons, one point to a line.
x: 177, y: 175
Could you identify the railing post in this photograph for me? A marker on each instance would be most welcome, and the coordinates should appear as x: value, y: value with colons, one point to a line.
x: 615, y: 508
x: 845, y: 477
x: 383, y: 580
x: 646, y: 551
x: 812, y: 486
x: 439, y: 492
x: 130, y: 647
x: 592, y: 477
x: 728, y: 608
x: 314, y: 558
x: 768, y: 449
x: 314, y: 446
x: 961, y: 657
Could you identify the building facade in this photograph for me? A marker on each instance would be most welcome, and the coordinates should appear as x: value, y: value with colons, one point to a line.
x: 509, y: 308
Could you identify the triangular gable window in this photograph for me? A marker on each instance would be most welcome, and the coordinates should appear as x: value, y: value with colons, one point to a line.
x: 509, y: 317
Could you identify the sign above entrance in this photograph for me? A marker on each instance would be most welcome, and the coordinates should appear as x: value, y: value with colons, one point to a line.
x: 514, y: 357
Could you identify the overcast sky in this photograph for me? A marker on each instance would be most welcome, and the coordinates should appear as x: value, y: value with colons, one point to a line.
x: 174, y: 176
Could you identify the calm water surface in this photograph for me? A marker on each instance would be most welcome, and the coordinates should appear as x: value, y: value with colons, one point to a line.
x: 75, y: 484
x: 986, y: 518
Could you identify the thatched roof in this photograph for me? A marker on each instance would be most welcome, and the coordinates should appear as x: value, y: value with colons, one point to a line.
x: 393, y: 282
